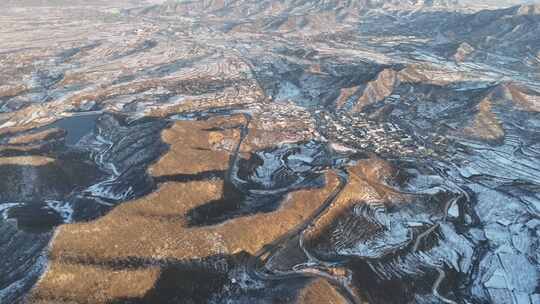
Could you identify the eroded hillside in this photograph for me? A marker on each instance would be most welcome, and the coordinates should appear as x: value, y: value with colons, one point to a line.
x: 269, y: 152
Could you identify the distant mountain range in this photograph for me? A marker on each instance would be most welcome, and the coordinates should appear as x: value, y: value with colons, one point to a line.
x: 271, y: 7
x: 458, y: 30
x: 250, y: 8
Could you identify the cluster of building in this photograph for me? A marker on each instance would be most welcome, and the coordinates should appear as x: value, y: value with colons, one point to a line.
x: 289, y: 118
x: 358, y: 131
x: 283, y: 113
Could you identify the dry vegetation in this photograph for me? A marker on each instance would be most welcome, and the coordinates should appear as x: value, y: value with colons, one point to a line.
x: 154, y: 228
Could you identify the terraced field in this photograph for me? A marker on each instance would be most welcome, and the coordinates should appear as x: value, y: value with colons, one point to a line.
x: 289, y: 151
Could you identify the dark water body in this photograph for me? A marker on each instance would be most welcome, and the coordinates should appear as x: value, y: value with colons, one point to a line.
x: 37, y: 217
x: 458, y: 212
x: 27, y: 223
x: 76, y: 126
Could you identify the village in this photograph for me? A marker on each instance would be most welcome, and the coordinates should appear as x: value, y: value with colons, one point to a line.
x: 356, y: 130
